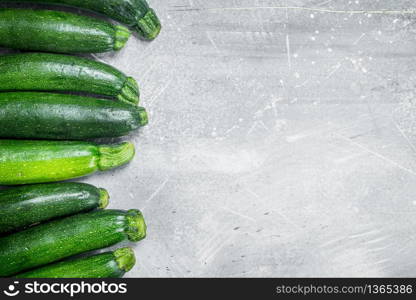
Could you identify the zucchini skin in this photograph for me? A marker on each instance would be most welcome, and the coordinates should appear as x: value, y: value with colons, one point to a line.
x: 134, y: 13
x: 56, y: 240
x: 26, y: 162
x: 57, y: 72
x: 27, y: 205
x: 31, y: 115
x: 106, y: 265
x: 56, y: 31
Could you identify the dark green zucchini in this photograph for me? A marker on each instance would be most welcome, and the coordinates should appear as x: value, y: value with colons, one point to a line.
x: 57, y: 72
x: 53, y: 241
x: 27, y: 205
x: 31, y: 115
x: 106, y: 265
x: 25, y: 162
x: 134, y: 13
x: 56, y: 31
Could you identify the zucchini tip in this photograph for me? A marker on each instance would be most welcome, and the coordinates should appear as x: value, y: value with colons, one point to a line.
x: 130, y: 92
x: 112, y: 156
x: 125, y: 258
x: 143, y: 116
x: 137, y: 228
x: 122, y: 35
x: 104, y: 198
x: 149, y: 25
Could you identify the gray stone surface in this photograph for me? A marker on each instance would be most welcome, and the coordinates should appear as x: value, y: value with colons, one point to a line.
x: 281, y: 142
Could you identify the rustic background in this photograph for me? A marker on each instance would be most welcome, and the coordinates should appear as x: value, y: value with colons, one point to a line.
x: 282, y: 139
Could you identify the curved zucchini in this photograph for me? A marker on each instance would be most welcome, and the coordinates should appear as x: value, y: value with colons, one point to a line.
x: 134, y: 13
x: 57, y: 72
x: 106, y: 265
x: 25, y: 162
x: 27, y: 205
x: 53, y: 241
x: 31, y: 115
x: 56, y: 31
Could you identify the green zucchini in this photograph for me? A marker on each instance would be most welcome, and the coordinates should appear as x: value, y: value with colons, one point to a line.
x: 56, y: 31
x: 25, y: 162
x: 27, y: 205
x: 134, y: 13
x: 31, y: 115
x: 106, y: 265
x: 59, y: 239
x: 57, y: 72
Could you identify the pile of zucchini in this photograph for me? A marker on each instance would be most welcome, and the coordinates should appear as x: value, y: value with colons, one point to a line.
x: 53, y: 105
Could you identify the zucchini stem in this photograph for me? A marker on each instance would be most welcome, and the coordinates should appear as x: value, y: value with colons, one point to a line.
x: 144, y: 118
x: 122, y: 35
x: 130, y: 92
x: 112, y: 156
x: 125, y: 258
x: 136, y: 226
x: 104, y: 198
x: 149, y: 25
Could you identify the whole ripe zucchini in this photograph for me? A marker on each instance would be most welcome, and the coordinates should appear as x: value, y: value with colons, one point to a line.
x: 134, y: 13
x: 27, y: 205
x: 53, y: 241
x: 31, y: 115
x: 106, y: 265
x: 25, y: 162
x: 57, y: 72
x: 56, y: 31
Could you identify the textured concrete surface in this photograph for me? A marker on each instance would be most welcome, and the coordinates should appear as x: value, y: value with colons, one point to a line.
x: 282, y: 139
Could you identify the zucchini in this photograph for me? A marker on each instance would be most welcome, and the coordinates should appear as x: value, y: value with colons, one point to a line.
x: 31, y: 115
x: 56, y: 31
x: 134, y: 13
x: 27, y: 205
x: 57, y: 72
x: 106, y: 265
x: 24, y: 162
x: 56, y: 240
